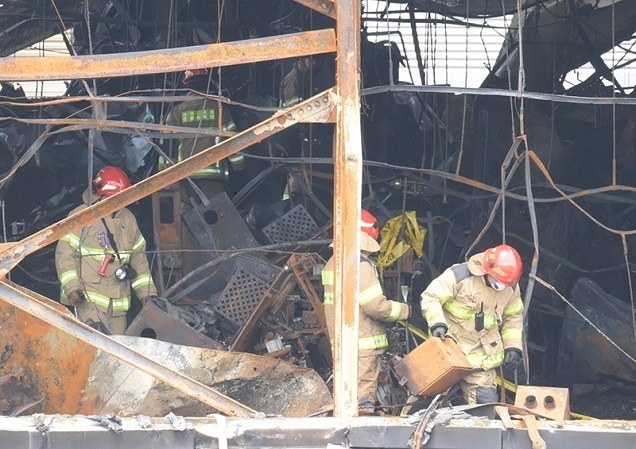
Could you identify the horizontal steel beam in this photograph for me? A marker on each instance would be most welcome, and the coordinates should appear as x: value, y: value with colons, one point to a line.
x: 317, y: 107
x: 169, y: 60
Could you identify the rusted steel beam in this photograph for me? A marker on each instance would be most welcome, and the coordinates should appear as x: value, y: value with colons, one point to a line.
x: 318, y: 106
x: 325, y: 7
x: 348, y: 196
x: 18, y: 298
x: 169, y: 60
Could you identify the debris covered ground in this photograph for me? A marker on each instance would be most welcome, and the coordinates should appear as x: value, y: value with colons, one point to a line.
x: 240, y: 271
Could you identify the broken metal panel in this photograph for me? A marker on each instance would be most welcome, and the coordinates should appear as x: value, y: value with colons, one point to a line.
x: 277, y: 291
x: 152, y: 322
x: 216, y: 227
x: 246, y: 288
x: 168, y: 60
x: 317, y: 106
x: 295, y: 225
x: 266, y: 384
x: 71, y: 327
x: 53, y: 363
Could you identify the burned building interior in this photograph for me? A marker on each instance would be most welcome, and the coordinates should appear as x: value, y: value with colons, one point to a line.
x: 526, y: 158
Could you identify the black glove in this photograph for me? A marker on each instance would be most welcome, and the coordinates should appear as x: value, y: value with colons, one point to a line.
x: 512, y: 358
x: 439, y: 331
x: 76, y: 297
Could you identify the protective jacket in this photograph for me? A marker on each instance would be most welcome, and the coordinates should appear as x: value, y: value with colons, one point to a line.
x: 375, y: 308
x: 295, y: 85
x: 79, y: 257
x: 205, y: 113
x: 457, y: 295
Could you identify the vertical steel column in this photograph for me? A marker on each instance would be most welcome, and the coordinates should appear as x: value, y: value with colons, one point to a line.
x: 347, y: 198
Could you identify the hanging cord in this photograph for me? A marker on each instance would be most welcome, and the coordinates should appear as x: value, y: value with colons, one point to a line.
x: 507, y: 42
x: 521, y: 83
x: 554, y: 290
x: 461, y: 142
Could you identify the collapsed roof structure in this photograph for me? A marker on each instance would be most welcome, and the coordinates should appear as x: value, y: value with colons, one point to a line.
x: 525, y: 159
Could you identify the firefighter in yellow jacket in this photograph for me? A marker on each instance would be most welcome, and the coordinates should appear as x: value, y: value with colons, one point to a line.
x: 479, y: 304
x: 375, y: 311
x: 205, y: 113
x: 98, y: 265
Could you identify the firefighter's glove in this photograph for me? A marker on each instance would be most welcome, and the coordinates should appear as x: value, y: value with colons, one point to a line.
x: 439, y: 331
x: 512, y: 358
x: 76, y: 297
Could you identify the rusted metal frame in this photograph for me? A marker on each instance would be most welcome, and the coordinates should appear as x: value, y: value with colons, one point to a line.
x: 325, y: 7
x: 317, y: 106
x: 168, y: 60
x: 297, y: 263
x: 66, y: 322
x: 347, y: 200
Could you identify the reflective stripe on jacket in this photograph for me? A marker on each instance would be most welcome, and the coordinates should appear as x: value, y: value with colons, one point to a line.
x: 453, y: 299
x: 375, y: 308
x: 79, y: 256
x: 205, y: 114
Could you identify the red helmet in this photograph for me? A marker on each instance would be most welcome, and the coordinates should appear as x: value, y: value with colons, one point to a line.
x: 191, y: 75
x: 369, y: 224
x: 503, y: 263
x: 109, y: 181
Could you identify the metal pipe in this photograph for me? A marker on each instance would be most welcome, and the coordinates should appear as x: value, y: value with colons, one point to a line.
x: 347, y: 200
x: 68, y: 324
x: 319, y: 106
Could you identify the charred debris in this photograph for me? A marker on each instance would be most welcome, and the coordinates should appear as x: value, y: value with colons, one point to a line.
x: 525, y: 158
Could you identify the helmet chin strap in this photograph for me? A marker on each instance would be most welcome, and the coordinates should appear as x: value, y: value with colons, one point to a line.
x: 494, y: 283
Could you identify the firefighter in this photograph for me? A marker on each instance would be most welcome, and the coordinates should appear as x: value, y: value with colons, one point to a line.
x: 98, y: 265
x: 479, y: 304
x: 295, y: 86
x: 375, y: 311
x: 210, y: 114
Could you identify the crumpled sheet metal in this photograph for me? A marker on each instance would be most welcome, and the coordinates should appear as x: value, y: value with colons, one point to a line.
x: 265, y: 384
x: 585, y: 354
x: 51, y: 362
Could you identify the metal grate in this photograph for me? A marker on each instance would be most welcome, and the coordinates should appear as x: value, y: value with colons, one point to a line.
x: 240, y: 296
x: 295, y: 225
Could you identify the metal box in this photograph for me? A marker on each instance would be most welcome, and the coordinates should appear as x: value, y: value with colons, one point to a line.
x: 433, y: 367
x: 549, y: 402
